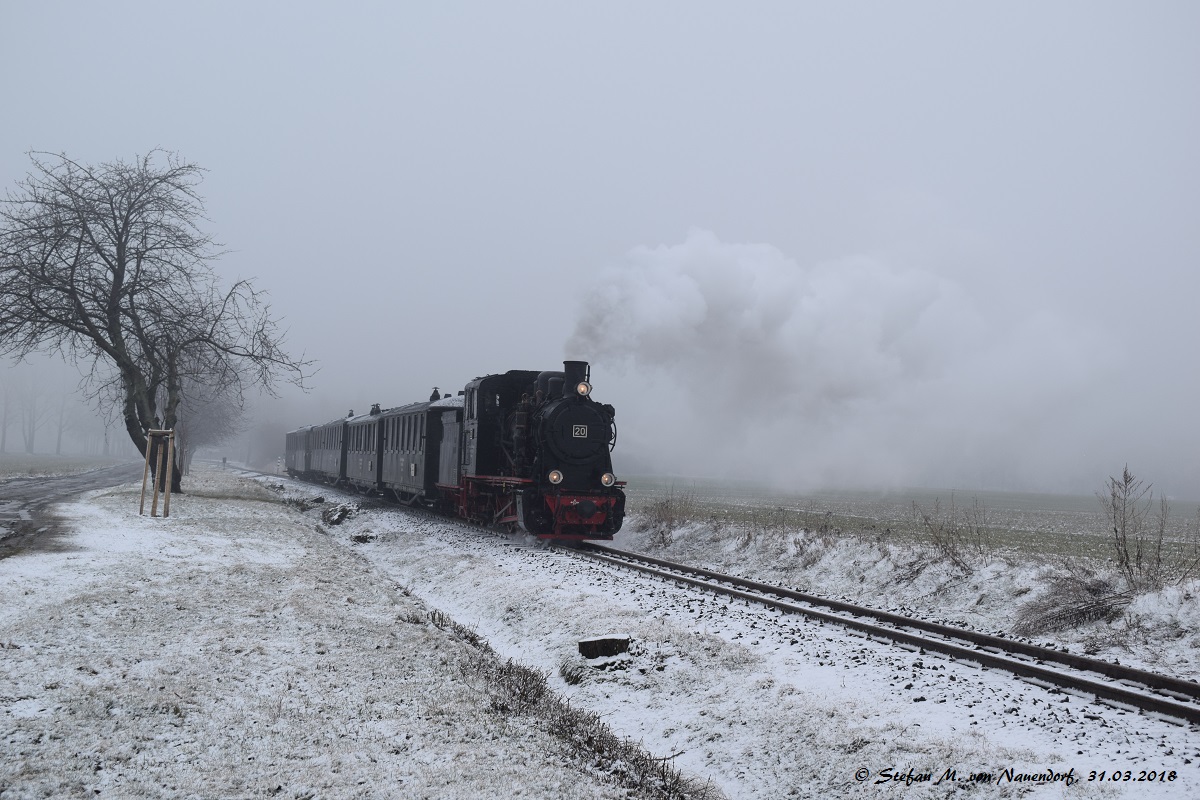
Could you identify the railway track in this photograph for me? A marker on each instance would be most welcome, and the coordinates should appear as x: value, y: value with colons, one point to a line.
x: 1106, y: 681
x: 1119, y: 685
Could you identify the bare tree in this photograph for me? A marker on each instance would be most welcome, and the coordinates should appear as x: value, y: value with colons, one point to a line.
x: 1136, y: 539
x: 108, y: 265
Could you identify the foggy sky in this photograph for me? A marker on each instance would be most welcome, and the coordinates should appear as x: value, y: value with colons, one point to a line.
x: 875, y: 243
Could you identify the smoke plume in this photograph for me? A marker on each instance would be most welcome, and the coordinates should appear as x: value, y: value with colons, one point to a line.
x: 734, y: 360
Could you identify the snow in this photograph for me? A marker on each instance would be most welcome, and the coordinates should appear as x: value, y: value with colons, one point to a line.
x: 765, y: 704
x: 233, y: 650
x: 236, y: 648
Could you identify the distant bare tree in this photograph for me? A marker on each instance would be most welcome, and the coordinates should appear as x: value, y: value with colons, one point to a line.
x: 66, y: 421
x: 108, y: 266
x: 5, y: 399
x: 35, y: 411
x: 206, y: 417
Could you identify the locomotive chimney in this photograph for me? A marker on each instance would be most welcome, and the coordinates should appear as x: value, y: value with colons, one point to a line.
x: 575, y: 372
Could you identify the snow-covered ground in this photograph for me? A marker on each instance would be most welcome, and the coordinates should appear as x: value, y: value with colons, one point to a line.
x: 236, y: 648
x: 764, y: 704
x: 235, y: 651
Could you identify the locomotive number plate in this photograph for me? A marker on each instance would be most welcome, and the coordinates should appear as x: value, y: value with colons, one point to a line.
x: 579, y: 431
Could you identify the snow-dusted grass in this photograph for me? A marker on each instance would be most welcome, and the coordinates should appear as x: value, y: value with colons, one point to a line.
x: 236, y: 650
x: 1041, y: 527
x: 982, y: 586
x: 13, y: 465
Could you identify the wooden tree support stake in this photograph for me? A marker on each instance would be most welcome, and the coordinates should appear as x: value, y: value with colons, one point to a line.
x: 157, y: 441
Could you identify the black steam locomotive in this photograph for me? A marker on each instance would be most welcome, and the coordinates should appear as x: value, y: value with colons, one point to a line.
x: 526, y: 450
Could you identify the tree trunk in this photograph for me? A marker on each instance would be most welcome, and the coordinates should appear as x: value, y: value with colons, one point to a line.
x: 62, y: 412
x: 29, y: 428
x: 4, y: 425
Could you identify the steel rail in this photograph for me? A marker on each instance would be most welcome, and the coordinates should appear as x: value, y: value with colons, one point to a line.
x: 1174, y: 696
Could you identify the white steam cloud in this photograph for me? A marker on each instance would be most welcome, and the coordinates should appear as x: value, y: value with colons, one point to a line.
x: 737, y: 361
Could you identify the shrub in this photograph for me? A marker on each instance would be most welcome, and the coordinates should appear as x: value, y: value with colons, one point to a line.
x: 959, y: 535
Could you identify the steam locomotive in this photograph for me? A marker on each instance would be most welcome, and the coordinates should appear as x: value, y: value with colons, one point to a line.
x: 525, y: 450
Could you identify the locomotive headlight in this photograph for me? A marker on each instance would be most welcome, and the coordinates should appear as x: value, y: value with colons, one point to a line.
x: 608, y: 479
x: 583, y: 388
x: 555, y: 476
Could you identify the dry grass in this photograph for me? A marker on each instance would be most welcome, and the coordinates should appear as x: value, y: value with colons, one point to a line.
x: 1070, y: 602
